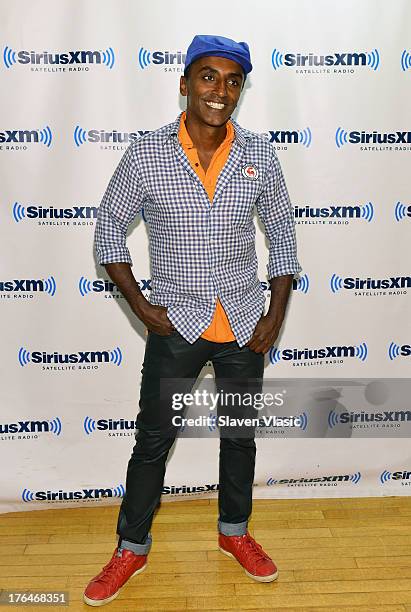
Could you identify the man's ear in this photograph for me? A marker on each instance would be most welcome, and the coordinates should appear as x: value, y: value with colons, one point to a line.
x: 183, y: 86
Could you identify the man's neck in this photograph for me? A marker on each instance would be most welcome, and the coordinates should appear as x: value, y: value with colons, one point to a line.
x: 205, y: 137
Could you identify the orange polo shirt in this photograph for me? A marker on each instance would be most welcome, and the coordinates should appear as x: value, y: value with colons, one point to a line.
x: 219, y: 329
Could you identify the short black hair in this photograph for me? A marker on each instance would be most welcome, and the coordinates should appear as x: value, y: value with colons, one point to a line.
x: 187, y: 71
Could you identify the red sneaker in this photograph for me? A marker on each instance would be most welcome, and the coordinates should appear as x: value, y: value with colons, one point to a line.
x: 105, y: 587
x: 256, y: 563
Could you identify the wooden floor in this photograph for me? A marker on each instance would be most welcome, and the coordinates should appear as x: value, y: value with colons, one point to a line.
x: 333, y: 554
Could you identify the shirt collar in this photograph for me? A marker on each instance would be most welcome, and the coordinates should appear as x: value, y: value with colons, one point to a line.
x: 183, y: 134
x: 241, y: 135
x: 185, y: 139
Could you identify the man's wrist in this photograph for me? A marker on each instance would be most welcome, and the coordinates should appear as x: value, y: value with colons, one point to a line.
x: 275, y: 315
x: 140, y: 305
x: 280, y: 292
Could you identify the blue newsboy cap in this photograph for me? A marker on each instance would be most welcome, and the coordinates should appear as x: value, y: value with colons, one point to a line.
x: 204, y: 45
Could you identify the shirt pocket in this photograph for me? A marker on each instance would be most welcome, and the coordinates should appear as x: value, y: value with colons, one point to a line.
x: 238, y: 201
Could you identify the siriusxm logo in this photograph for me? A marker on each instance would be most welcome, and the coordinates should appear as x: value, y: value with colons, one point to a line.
x: 355, y: 137
x: 22, y: 427
x: 386, y: 476
x: 20, y: 212
x: 26, y: 357
x: 363, y: 59
x: 301, y: 284
x: 396, y: 350
x: 359, y: 419
x: 41, y: 136
x: 355, y: 283
x: 333, y: 214
x: 91, y: 425
x: 186, y: 489
x: 331, y: 354
x: 86, y: 286
x: 320, y: 480
x: 405, y: 60
x: 161, y: 58
x: 82, y: 136
x: 60, y: 495
x: 47, y: 285
x: 302, y: 137
x: 401, y: 211
x: 70, y: 58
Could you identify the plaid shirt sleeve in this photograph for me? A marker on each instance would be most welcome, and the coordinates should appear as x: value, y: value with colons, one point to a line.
x: 275, y: 211
x: 122, y: 201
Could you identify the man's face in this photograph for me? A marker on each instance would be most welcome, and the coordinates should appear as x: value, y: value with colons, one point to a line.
x: 213, y: 87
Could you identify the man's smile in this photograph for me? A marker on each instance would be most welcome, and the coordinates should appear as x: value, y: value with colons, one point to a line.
x: 215, y: 105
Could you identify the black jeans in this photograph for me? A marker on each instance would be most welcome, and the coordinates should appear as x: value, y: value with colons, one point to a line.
x: 172, y: 357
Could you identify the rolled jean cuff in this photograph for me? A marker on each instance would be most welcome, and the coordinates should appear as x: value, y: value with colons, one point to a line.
x: 232, y: 529
x: 138, y: 549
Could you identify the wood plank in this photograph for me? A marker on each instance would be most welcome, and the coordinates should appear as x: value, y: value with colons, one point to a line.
x: 386, y: 500
x: 384, y: 542
x: 235, y: 576
x: 278, y: 602
x: 42, y: 529
x: 148, y: 577
x: 136, y: 591
x: 29, y: 538
x: 198, y: 549
x: 350, y: 574
x: 283, y: 554
x: 48, y: 570
x: 295, y: 562
x: 98, y: 547
x: 332, y: 586
x: 302, y: 505
x: 160, y: 543
x: 405, y: 511
x: 98, y: 558
x: 384, y: 530
x: 387, y: 608
x: 133, y: 605
x: 264, y: 532
x: 403, y: 561
x: 109, y: 536
x: 184, y: 526
x: 286, y: 515
x: 302, y: 546
x: 362, y: 513
x: 32, y: 583
x: 18, y: 549
x: 380, y: 522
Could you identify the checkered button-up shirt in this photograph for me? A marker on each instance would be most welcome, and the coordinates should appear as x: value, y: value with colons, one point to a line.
x: 200, y: 251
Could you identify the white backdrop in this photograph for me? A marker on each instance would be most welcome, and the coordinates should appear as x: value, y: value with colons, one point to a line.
x: 75, y: 77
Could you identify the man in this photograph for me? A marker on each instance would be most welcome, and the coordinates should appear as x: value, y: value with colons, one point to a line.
x: 199, y: 180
